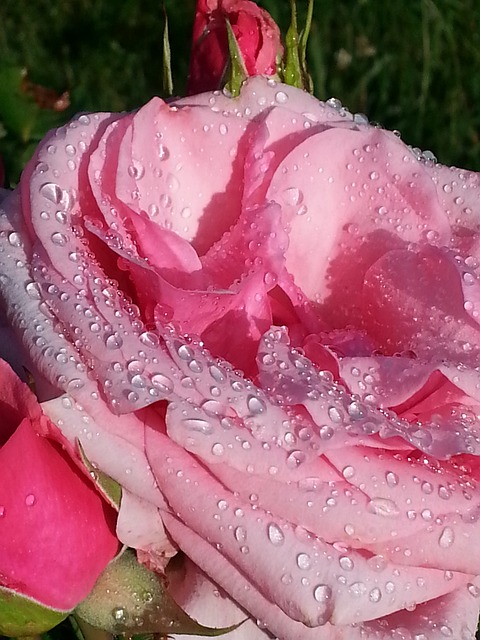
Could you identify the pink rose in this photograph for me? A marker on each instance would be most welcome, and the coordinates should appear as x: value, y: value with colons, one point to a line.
x: 257, y: 35
x: 56, y: 532
x: 331, y: 491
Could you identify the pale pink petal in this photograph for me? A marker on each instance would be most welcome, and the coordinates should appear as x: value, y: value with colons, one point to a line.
x: 140, y: 526
x: 170, y: 157
x: 259, y: 95
x: 342, y: 221
x: 276, y: 555
x: 204, y: 601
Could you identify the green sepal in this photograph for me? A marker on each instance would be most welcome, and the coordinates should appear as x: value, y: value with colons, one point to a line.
x: 295, y: 69
x: 107, y: 486
x: 237, y: 72
x: 22, y: 616
x: 130, y: 599
x: 167, y: 59
x: 302, y: 47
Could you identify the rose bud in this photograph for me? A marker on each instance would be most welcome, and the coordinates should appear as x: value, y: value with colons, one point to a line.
x: 257, y: 35
x: 56, y: 532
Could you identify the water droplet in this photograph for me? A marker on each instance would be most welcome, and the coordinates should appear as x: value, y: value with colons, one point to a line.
x: 2, y: 511
x: 136, y: 170
x: 383, y: 507
x: 60, y: 239
x: 198, y: 424
x: 391, y: 478
x: 163, y: 152
x: 218, y: 449
x: 295, y: 459
x: 304, y: 561
x: 240, y: 534
x: 185, y: 352
x: 30, y: 500
x: 473, y: 590
x: 357, y: 589
x: 446, y: 538
x: 222, y: 505
x: 281, y: 97
x: 15, y: 239
x: 164, y: 384
x: 217, y: 374
x: 52, y: 192
x: 322, y: 592
x: 335, y: 415
x: 348, y: 472
x: 113, y: 341
x: 326, y: 432
x: 375, y: 595
x: 119, y: 614
x: 275, y: 534
x: 346, y: 563
x: 255, y: 405
x: 292, y: 196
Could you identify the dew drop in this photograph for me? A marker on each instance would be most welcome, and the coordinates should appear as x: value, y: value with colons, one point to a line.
x: 304, y: 561
x: 275, y: 534
x: 163, y: 152
x: 164, y: 384
x: 348, y: 472
x: 346, y: 563
x: 357, y: 589
x: 30, y: 500
x: 113, y: 341
x: 52, y: 192
x: 198, y: 424
x: 383, y: 507
x: 446, y: 538
x: 15, y: 239
x: 222, y: 505
x: 375, y: 595
x: 391, y: 478
x: 185, y: 352
x: 281, y: 97
x: 60, y: 239
x: 322, y: 592
x: 255, y: 405
x: 240, y: 534
x: 218, y: 449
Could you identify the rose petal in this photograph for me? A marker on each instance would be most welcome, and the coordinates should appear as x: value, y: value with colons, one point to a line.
x: 48, y: 506
x: 343, y: 220
x: 271, y: 552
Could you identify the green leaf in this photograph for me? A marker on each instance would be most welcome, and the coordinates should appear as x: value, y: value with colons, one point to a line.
x: 107, y: 486
x: 22, y: 616
x: 237, y: 73
x: 167, y: 59
x: 129, y: 598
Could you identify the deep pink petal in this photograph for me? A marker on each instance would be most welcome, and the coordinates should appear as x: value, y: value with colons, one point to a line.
x: 56, y: 531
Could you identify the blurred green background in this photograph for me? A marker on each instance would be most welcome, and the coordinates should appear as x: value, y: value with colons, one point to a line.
x: 411, y: 65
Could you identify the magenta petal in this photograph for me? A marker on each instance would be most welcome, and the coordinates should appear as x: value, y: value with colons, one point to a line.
x: 56, y: 531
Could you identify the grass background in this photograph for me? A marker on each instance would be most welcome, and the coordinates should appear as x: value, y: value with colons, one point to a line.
x: 411, y: 65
